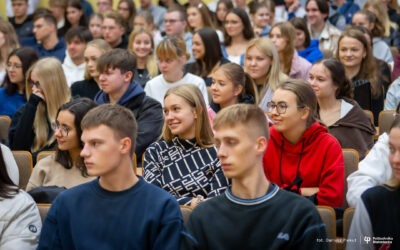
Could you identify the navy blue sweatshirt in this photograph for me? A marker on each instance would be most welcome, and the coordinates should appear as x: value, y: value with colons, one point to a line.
x: 90, y: 217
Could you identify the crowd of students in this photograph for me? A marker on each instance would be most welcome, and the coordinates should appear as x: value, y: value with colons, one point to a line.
x: 239, y: 111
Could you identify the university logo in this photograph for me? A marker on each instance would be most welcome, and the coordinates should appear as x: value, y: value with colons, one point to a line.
x: 367, y: 239
x: 283, y: 236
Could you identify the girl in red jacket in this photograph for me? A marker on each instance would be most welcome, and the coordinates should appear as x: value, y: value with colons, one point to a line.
x: 301, y: 156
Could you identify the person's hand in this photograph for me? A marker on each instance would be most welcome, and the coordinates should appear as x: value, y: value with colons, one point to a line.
x: 38, y: 92
x: 257, y: 31
x: 294, y: 6
x: 196, y: 201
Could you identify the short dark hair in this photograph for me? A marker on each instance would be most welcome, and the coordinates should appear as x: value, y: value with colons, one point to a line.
x: 19, y: 0
x: 120, y: 59
x: 322, y: 5
x: 177, y: 8
x: 82, y: 33
x: 27, y: 56
x: 118, y: 118
x: 48, y: 18
x: 301, y: 24
x: 78, y: 107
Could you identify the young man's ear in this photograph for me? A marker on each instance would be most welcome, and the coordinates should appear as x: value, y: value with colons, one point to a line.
x: 128, y: 76
x: 125, y: 145
x: 261, y: 145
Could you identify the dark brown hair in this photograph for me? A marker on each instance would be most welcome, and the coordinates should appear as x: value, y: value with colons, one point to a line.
x: 78, y: 107
x: 121, y: 59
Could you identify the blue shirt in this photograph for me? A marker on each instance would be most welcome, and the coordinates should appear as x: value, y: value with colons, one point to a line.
x: 10, y: 103
x: 90, y: 217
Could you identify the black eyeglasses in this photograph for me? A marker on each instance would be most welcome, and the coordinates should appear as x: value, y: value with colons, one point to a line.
x: 171, y: 21
x: 281, y: 107
x: 36, y: 84
x: 64, y: 130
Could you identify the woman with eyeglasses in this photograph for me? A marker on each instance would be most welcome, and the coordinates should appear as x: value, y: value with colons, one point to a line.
x: 301, y: 156
x: 344, y: 118
x: 46, y: 90
x: 238, y: 32
x: 65, y: 168
x: 12, y: 93
x: 19, y: 215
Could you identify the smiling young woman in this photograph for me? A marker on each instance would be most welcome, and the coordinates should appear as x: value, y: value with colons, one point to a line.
x: 301, y: 156
x: 361, y: 68
x: 142, y: 45
x: 196, y: 174
x: 207, y: 52
x: 262, y: 64
x: 230, y: 85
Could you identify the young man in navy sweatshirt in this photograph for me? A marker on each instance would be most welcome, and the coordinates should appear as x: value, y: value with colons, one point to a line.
x: 116, y: 79
x: 254, y: 213
x: 118, y: 210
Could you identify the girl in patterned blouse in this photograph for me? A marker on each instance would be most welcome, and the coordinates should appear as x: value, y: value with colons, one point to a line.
x: 184, y: 162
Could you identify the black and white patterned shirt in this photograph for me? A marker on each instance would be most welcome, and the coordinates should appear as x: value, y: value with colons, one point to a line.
x: 184, y: 169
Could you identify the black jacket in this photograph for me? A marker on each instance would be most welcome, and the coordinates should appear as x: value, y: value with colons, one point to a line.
x: 148, y: 113
x: 85, y: 88
x: 21, y: 134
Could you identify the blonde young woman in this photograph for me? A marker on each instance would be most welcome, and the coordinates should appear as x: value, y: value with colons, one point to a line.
x: 283, y: 35
x: 392, y: 35
x: 262, y: 64
x: 184, y: 162
x: 141, y: 43
x: 89, y: 87
x: 46, y: 90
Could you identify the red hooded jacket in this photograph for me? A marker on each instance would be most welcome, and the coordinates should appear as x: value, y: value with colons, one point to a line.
x: 317, y: 157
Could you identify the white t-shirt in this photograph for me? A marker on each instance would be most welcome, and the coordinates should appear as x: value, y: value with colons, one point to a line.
x: 158, y: 86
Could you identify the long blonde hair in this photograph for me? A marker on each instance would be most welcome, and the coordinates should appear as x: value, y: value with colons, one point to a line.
x: 380, y: 11
x: 288, y: 32
x: 192, y: 95
x: 274, y: 75
x: 55, y: 89
x: 151, y: 64
x: 101, y: 45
